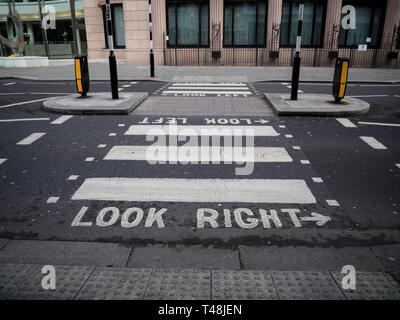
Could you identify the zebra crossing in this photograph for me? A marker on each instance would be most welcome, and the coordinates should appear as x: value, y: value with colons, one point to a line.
x: 209, y: 89
x: 184, y: 188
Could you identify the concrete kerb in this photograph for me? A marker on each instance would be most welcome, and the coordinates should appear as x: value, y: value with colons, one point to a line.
x: 315, y: 105
x: 96, y: 103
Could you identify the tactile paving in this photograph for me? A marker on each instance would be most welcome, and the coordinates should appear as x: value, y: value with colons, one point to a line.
x: 69, y: 279
x: 371, y: 286
x: 243, y: 285
x: 116, y: 283
x: 12, y: 275
x: 179, y: 284
x: 306, y: 285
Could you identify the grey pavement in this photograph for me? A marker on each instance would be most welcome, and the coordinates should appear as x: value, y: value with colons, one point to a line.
x: 100, y: 71
x: 112, y: 271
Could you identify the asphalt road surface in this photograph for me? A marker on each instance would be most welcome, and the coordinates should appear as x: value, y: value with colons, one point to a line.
x: 83, y: 178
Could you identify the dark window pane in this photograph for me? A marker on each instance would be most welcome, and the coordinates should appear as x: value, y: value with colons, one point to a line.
x: 228, y: 28
x: 171, y: 25
x: 285, y: 24
x: 261, y: 23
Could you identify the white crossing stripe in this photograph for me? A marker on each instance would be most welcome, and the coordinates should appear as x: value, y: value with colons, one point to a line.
x: 211, y: 84
x: 373, y: 143
x: 206, y: 92
x: 53, y: 199
x: 32, y: 138
x: 24, y: 119
x: 332, y: 203
x: 196, y: 190
x: 346, y: 123
x: 317, y: 180
x: 2, y: 160
x: 61, y: 120
x: 198, y: 154
x: 205, y: 88
x: 380, y: 124
x: 259, y: 131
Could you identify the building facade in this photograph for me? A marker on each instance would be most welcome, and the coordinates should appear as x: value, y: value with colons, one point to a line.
x: 252, y: 32
x: 59, y: 41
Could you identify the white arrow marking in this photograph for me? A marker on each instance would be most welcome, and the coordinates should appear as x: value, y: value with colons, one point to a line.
x: 261, y: 121
x: 319, y: 218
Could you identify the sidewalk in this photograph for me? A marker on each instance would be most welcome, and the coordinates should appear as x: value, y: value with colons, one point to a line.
x: 110, y: 271
x: 130, y: 72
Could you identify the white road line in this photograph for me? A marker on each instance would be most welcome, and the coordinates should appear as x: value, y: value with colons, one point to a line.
x: 282, y: 126
x: 373, y: 143
x: 296, y: 147
x: 25, y: 102
x: 26, y: 119
x: 73, y: 177
x: 2, y: 160
x: 290, y: 87
x: 133, y: 82
x: 203, y: 88
x: 52, y: 93
x: 198, y: 154
x: 210, y: 84
x: 369, y: 96
x: 259, y: 131
x: 398, y: 165
x: 206, y: 92
x: 196, y: 190
x: 121, y: 125
x: 101, y: 146
x: 332, y: 203
x: 288, y: 136
x: 61, y: 120
x: 89, y: 159
x: 9, y: 84
x: 285, y: 83
x: 304, y: 161
x: 126, y: 85
x: 11, y: 93
x: 380, y: 124
x: 346, y: 123
x: 317, y: 180
x: 32, y: 138
x: 53, y: 199
x: 112, y: 134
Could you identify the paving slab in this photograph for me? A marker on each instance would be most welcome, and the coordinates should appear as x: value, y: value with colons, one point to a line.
x: 96, y: 103
x: 69, y: 280
x: 315, y: 105
x: 242, y: 285
x: 3, y: 243
x: 389, y: 256
x: 12, y: 275
x: 371, y: 286
x: 179, y: 256
x: 115, y: 284
x: 306, y: 285
x: 179, y: 284
x: 65, y: 252
x: 308, y: 259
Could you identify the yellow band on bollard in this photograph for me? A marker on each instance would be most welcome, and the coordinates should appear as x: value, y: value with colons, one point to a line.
x: 343, y: 79
x: 78, y: 75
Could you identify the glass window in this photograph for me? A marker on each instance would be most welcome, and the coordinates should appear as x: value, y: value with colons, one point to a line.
x: 369, y: 19
x: 244, y: 23
x: 313, y: 23
x: 187, y: 23
x: 117, y: 16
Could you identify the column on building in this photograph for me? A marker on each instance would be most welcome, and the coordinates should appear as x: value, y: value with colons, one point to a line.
x: 332, y: 24
x: 392, y: 20
x: 159, y: 30
x: 216, y: 18
x: 273, y: 24
x: 137, y: 34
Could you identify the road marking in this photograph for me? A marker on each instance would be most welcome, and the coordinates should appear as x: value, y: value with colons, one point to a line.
x: 290, y: 87
x: 346, y: 123
x: 317, y: 180
x: 9, y: 84
x: 89, y: 159
x: 304, y: 162
x: 61, y: 120
x: 398, y: 165
x: 32, y: 138
x: 11, y: 93
x: 53, y: 199
x: 333, y: 203
x: 285, y: 83
x: 282, y: 126
x: 369, y: 96
x: 296, y: 148
x: 126, y: 85
x: 133, y: 82
x: 101, y: 146
x: 203, y: 88
x: 2, y: 160
x: 121, y: 125
x: 26, y: 102
x: 288, y: 136
x: 380, y: 124
x: 206, y: 92
x: 120, y: 89
x: 210, y: 130
x: 112, y: 134
x: 196, y: 190
x: 26, y: 119
x: 198, y: 154
x: 210, y: 84
x: 373, y: 143
x: 73, y: 177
